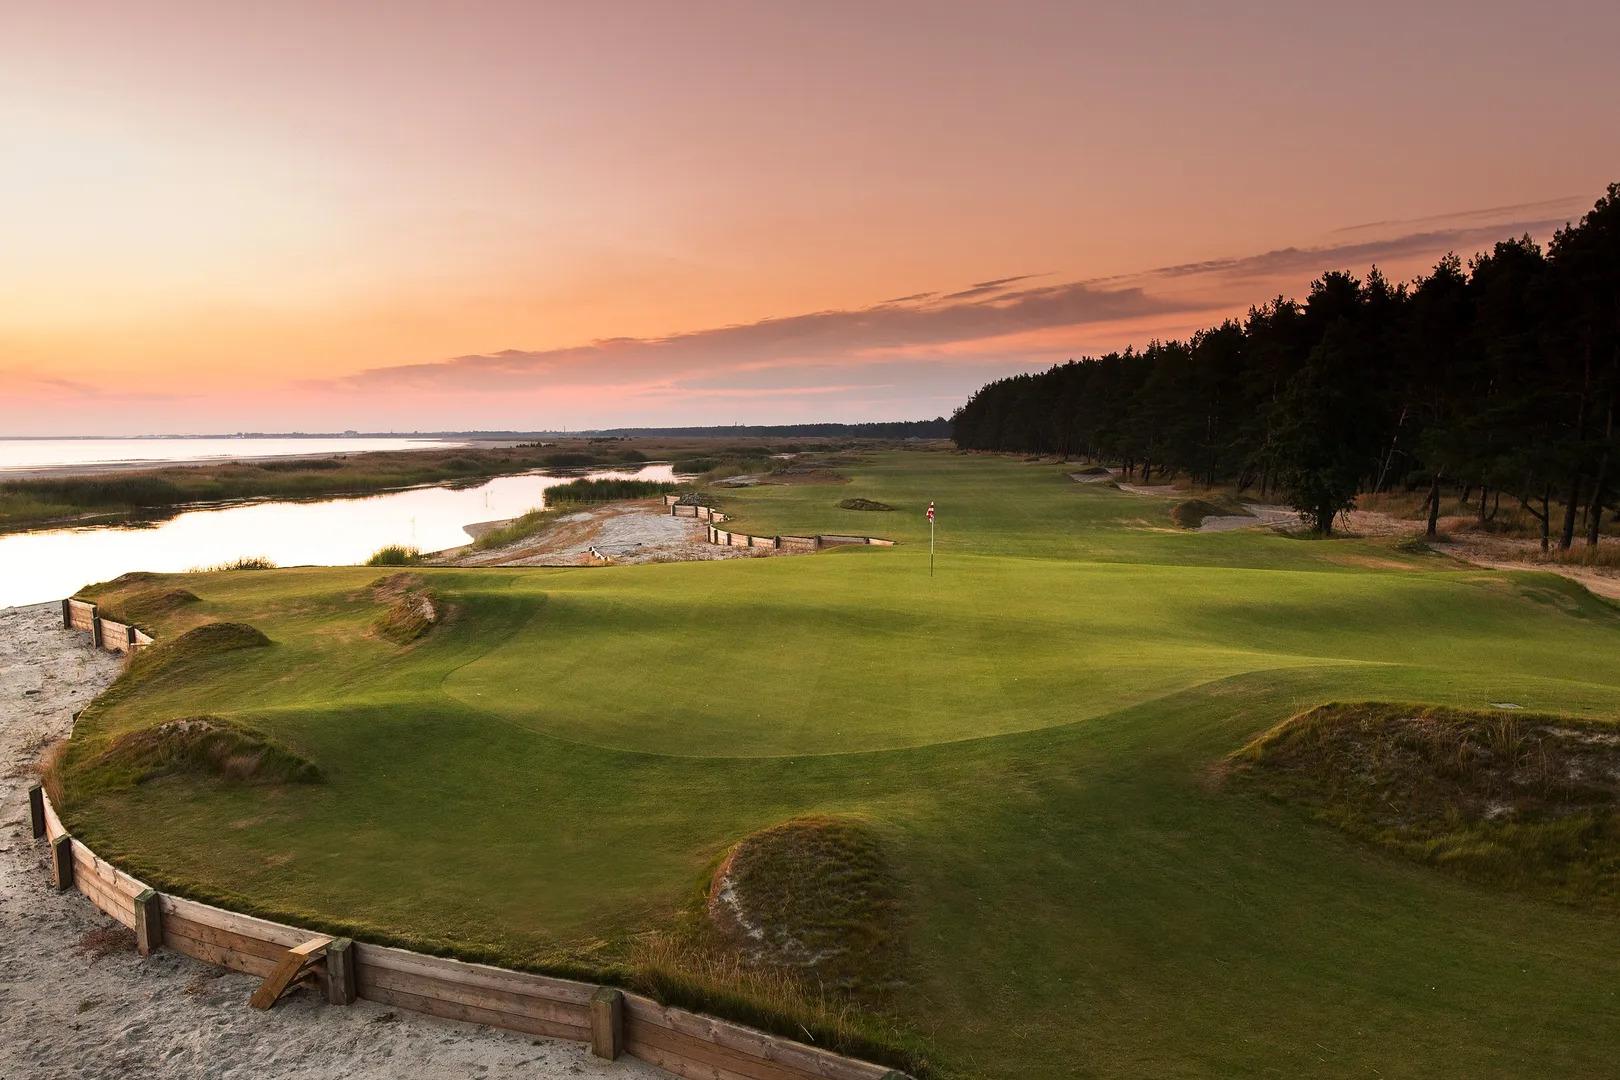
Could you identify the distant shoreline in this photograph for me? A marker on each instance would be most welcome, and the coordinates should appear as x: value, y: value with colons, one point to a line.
x: 97, y: 468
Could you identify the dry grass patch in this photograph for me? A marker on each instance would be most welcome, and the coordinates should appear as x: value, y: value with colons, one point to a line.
x: 864, y: 504
x: 1511, y: 799
x: 412, y: 609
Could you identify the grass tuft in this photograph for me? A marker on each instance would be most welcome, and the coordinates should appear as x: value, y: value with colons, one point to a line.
x: 395, y: 555
x: 863, y: 504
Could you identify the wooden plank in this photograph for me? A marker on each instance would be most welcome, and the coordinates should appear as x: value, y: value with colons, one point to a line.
x: 724, y: 1060
x: 62, y: 862
x: 214, y: 954
x: 109, y: 904
x: 148, y: 922
x: 340, y: 974
x: 287, y: 970
x: 114, y: 878
x: 225, y: 939
x: 607, y: 1023
x: 812, y: 1060
x: 53, y: 824
x: 482, y: 997
x: 36, y: 810
x: 466, y: 974
x: 672, y: 1062
x: 451, y: 1010
x: 246, y: 925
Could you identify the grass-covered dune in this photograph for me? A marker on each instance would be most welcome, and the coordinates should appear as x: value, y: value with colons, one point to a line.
x: 1033, y: 740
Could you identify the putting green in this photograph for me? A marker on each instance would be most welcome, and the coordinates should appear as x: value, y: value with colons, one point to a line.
x: 558, y: 767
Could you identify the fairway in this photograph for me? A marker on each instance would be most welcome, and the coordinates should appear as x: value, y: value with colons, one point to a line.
x: 1034, y: 731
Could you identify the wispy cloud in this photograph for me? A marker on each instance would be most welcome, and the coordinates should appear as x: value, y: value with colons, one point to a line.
x: 924, y: 350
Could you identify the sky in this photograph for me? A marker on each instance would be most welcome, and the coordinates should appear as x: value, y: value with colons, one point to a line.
x: 529, y: 215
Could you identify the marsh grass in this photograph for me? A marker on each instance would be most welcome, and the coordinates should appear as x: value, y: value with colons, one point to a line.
x: 591, y: 492
x: 519, y: 528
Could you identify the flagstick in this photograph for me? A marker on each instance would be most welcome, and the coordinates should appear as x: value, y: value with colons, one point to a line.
x: 930, y: 547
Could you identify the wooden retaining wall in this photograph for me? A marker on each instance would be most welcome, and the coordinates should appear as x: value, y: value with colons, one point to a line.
x: 613, y: 1021
x: 110, y: 635
x: 726, y: 538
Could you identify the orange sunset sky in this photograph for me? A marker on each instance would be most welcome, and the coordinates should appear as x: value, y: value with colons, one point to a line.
x: 220, y: 217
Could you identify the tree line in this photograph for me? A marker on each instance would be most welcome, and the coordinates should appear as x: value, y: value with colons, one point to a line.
x: 1495, y: 379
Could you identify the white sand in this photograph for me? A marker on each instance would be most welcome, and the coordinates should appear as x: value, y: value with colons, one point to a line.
x: 67, y: 1012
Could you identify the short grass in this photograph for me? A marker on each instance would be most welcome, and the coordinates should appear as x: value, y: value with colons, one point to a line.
x: 1034, y: 733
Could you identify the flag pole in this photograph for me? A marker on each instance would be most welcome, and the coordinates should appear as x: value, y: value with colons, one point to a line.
x: 930, y: 545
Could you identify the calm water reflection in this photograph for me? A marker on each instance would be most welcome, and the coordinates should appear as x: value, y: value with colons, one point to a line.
x: 40, y: 566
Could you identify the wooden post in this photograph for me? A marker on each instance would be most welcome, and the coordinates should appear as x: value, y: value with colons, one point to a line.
x: 36, y: 810
x: 148, y: 922
x: 607, y: 1023
x: 67, y: 614
x: 340, y: 983
x: 62, y: 862
x: 129, y: 637
x: 95, y: 627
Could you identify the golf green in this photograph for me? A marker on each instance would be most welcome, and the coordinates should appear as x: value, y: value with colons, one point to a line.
x: 1034, y: 730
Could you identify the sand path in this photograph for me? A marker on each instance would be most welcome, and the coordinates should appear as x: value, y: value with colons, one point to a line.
x: 76, y: 1000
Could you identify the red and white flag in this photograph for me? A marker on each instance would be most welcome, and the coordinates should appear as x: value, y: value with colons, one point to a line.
x: 930, y: 512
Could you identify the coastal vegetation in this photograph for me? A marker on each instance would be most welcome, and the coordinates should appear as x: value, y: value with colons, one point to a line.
x: 1022, y: 781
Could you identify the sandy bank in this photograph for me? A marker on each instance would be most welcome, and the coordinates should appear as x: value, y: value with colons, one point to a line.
x: 630, y: 532
x: 76, y: 1000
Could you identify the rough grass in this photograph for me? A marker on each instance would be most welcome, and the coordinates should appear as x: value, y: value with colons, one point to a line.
x: 815, y: 896
x: 1505, y: 799
x: 200, y: 746
x: 198, y: 643
x: 395, y: 555
x: 863, y: 504
x: 685, y: 971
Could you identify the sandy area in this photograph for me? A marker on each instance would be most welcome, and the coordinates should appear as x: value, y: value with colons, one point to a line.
x: 634, y: 532
x: 76, y: 1000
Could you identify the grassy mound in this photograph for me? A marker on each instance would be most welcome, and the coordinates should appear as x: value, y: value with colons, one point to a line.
x: 1522, y: 801
x: 198, y: 643
x: 143, y: 607
x: 412, y: 610
x: 1190, y: 513
x: 201, y: 746
x: 864, y: 504
x: 815, y: 896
